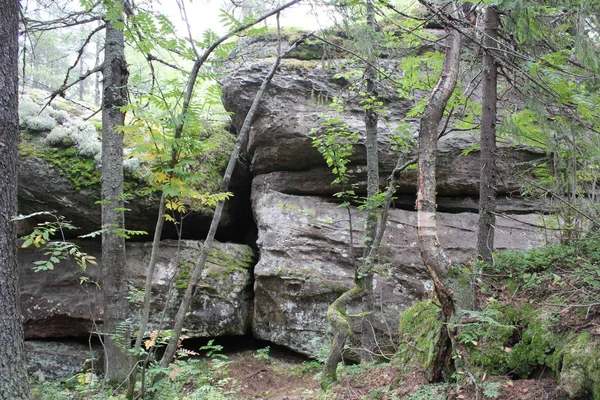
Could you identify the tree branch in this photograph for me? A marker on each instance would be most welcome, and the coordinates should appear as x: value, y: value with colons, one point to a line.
x: 61, y: 90
x: 81, y: 50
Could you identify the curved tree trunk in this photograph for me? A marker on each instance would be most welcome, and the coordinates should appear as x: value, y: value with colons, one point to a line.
x: 432, y: 253
x: 14, y: 384
x: 114, y: 280
x: 487, y: 190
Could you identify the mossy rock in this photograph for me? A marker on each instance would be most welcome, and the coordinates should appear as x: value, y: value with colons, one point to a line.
x: 516, y: 340
x: 580, y: 374
x: 81, y: 171
x: 420, y: 329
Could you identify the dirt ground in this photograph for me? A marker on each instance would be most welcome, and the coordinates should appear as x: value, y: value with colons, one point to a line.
x: 284, y: 376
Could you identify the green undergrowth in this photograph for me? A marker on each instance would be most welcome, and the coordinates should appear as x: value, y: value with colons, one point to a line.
x: 545, y: 271
x: 537, y: 318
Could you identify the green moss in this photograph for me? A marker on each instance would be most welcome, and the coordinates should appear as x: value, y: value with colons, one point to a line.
x: 239, y: 260
x: 515, y: 340
x: 97, y: 124
x: 580, y: 375
x: 309, y: 50
x: 67, y: 142
x: 81, y: 171
x: 539, y: 349
x: 420, y: 328
x: 288, y: 33
x: 223, y: 263
x: 182, y: 279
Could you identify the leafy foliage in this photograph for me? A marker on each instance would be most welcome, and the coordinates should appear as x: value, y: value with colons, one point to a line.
x: 56, y: 251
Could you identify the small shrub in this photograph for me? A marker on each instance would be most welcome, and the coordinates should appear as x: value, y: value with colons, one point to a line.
x: 429, y: 392
x: 263, y: 353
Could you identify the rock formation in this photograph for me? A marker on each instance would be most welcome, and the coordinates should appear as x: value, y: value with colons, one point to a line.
x: 305, y: 253
x: 304, y: 249
x: 67, y: 301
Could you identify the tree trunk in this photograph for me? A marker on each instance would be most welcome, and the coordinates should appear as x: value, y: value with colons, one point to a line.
x: 371, y: 118
x: 336, y: 315
x: 82, y: 83
x: 114, y: 280
x: 432, y: 253
x: 487, y: 190
x: 14, y: 384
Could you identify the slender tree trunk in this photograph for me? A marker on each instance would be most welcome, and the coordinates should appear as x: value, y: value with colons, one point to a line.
x: 197, y: 272
x: 114, y: 280
x: 371, y: 118
x: 145, y: 314
x: 14, y: 384
x: 82, y: 83
x: 432, y: 253
x: 487, y: 190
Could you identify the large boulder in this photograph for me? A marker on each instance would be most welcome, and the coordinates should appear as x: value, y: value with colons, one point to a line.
x: 67, y: 301
x: 280, y: 142
x: 59, y: 172
x: 54, y: 360
x: 306, y: 261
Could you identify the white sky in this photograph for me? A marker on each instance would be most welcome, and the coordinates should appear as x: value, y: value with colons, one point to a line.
x: 205, y: 14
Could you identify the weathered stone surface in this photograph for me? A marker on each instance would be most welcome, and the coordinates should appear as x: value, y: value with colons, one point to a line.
x: 280, y: 144
x: 306, y: 261
x: 46, y: 187
x: 52, y: 360
x: 55, y: 303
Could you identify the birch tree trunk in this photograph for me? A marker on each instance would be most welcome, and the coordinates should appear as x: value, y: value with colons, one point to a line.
x: 114, y: 280
x: 432, y: 253
x: 487, y: 190
x: 14, y: 384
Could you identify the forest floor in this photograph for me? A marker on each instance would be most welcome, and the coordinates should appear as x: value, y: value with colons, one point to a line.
x: 283, y: 376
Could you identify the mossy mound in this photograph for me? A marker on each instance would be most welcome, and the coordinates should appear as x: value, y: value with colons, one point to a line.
x: 508, y: 340
x: 580, y: 374
x: 513, y: 340
x: 420, y: 328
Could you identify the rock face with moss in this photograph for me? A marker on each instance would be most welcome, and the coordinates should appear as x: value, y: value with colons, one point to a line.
x: 59, y: 172
x: 306, y: 261
x: 67, y: 302
x: 298, y: 101
x: 306, y: 256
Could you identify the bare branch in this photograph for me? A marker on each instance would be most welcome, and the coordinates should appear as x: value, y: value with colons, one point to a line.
x: 61, y: 90
x: 81, y: 50
x: 43, y: 26
x: 202, y: 59
x: 152, y: 57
